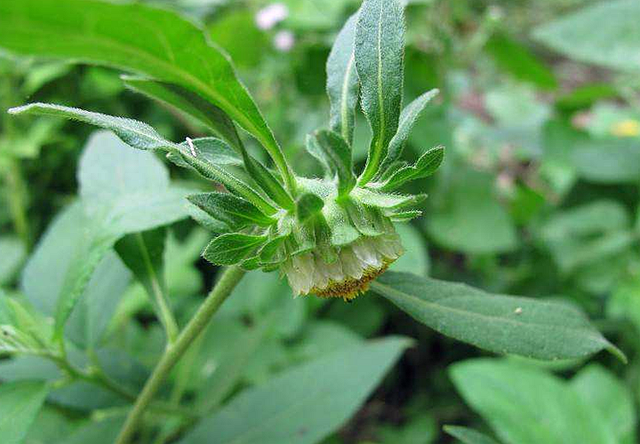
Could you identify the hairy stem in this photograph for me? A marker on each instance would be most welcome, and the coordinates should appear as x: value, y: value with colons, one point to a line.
x: 174, y: 352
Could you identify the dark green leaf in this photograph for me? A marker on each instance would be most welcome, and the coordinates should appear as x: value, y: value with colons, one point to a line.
x: 342, y: 81
x: 408, y: 119
x: 233, y: 211
x: 138, y: 38
x: 19, y: 405
x: 188, y: 103
x: 379, y: 52
x: 468, y: 436
x: 520, y: 62
x: 501, y: 324
x: 268, y: 182
x: 335, y: 154
x: 290, y: 409
x: 231, y: 248
x: 143, y: 253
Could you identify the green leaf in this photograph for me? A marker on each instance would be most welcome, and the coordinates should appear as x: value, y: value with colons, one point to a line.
x: 386, y: 200
x: 236, y: 213
x: 408, y: 119
x: 610, y: 397
x: 379, y: 52
x: 516, y: 59
x: 426, y: 165
x: 288, y: 408
x: 526, y: 405
x: 183, y: 100
x: 307, y: 206
x: 468, y: 436
x: 615, y: 44
x: 143, y: 254
x: 267, y: 181
x: 94, y: 310
x: 501, y: 324
x: 470, y: 218
x: 335, y: 155
x: 231, y: 248
x: 164, y: 46
x: 342, y: 82
x: 13, y: 253
x: 122, y: 191
x: 19, y: 405
x: 103, y: 431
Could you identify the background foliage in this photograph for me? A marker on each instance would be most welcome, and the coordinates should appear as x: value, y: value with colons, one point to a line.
x: 538, y: 197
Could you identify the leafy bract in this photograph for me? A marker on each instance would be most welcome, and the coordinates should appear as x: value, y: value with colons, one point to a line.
x: 233, y: 211
x: 304, y: 404
x: 408, y: 119
x: 231, y: 248
x: 379, y: 52
x: 501, y: 324
x: 138, y: 38
x: 335, y: 154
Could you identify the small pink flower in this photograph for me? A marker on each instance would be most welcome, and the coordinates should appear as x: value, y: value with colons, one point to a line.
x: 271, y: 15
x: 284, y: 41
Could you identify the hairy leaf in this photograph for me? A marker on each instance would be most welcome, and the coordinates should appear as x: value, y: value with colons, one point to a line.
x: 342, y: 81
x: 233, y: 211
x: 231, y: 248
x: 407, y: 120
x: 379, y: 52
x: 501, y: 324
x: 426, y: 165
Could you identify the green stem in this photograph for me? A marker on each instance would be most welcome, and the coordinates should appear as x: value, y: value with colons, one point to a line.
x: 174, y: 352
x: 16, y: 194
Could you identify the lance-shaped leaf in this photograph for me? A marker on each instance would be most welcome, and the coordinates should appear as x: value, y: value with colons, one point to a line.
x: 236, y: 213
x: 143, y: 254
x: 342, y: 81
x: 407, y: 119
x: 501, y: 324
x: 137, y: 38
x: 231, y: 248
x: 307, y: 206
x: 132, y: 132
x: 267, y: 181
x: 379, y: 52
x: 335, y: 155
x: 189, y: 103
x: 203, y: 155
x: 426, y: 165
x: 386, y: 200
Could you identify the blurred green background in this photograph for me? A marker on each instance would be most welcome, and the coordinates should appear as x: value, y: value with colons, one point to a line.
x: 540, y: 113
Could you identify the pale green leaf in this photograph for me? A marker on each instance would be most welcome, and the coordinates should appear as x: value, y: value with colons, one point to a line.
x: 304, y: 404
x: 502, y: 324
x: 616, y: 43
x: 19, y: 405
x: 526, y: 405
x: 379, y: 52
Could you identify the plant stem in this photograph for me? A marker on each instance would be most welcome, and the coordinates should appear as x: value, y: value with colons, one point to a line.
x: 16, y: 195
x: 174, y: 352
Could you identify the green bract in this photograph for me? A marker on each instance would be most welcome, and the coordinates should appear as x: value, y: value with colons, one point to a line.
x: 331, y: 236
